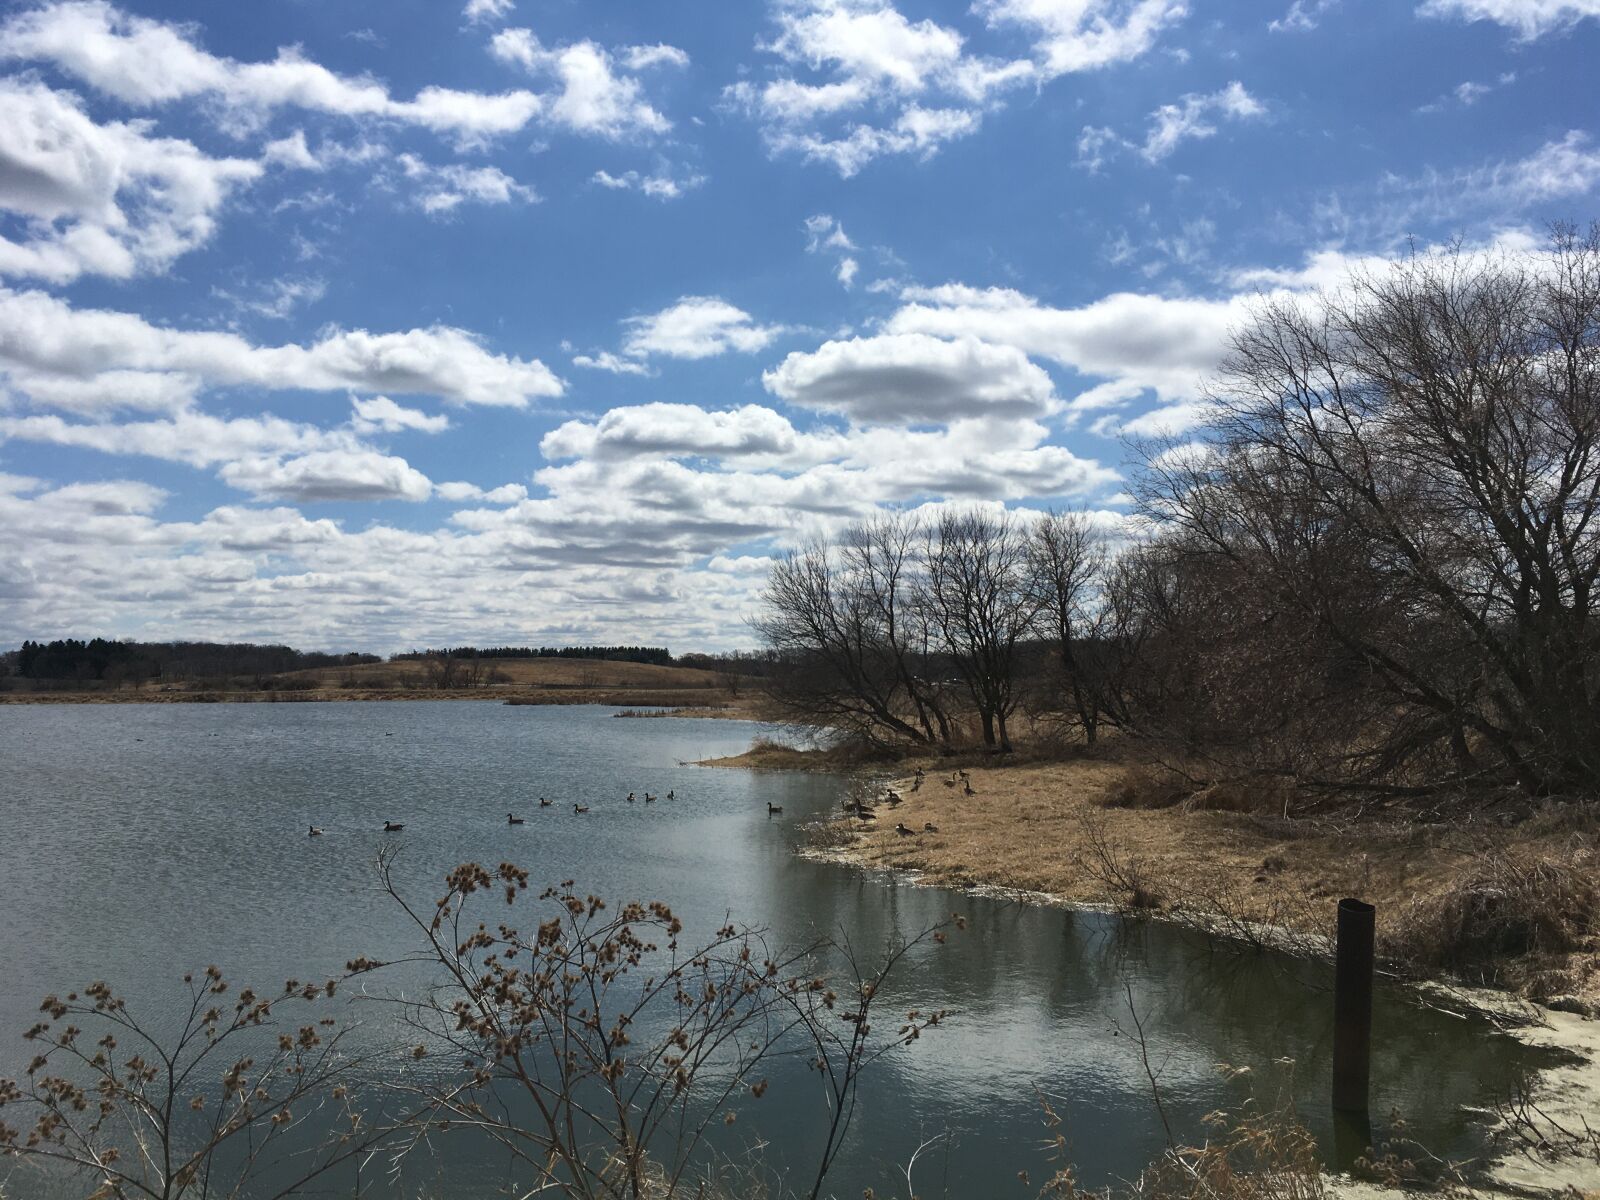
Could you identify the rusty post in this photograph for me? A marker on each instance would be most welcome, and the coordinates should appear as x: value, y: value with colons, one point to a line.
x: 1352, y: 1007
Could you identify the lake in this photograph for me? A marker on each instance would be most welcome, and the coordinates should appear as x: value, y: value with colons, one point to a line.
x: 144, y: 841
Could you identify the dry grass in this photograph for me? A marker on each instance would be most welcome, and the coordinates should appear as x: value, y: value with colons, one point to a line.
x: 1094, y: 830
x: 1505, y: 916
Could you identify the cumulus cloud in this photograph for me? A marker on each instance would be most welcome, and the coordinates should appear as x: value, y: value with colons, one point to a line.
x: 1529, y: 19
x: 506, y: 493
x: 328, y: 475
x: 594, y: 97
x: 41, y: 335
x: 673, y: 431
x: 1138, y: 341
x: 694, y: 327
x: 481, y: 11
x: 1194, y: 118
x: 1084, y: 35
x: 658, y: 187
x: 906, y: 378
x: 443, y: 189
x: 101, y: 199
x: 144, y: 62
x: 379, y: 414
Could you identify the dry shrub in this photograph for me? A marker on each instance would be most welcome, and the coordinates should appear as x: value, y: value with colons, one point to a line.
x: 1124, y: 876
x: 1511, y: 907
x: 1251, y: 1154
x: 1147, y: 786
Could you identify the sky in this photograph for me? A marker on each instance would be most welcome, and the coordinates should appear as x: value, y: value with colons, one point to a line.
x: 381, y: 324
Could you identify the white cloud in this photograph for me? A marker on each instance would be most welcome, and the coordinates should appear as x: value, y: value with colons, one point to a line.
x: 481, y: 11
x: 1168, y: 345
x: 869, y: 56
x: 144, y: 62
x: 1096, y: 145
x: 443, y: 189
x: 379, y: 414
x: 1530, y: 19
x: 43, y: 336
x: 642, y: 58
x: 328, y: 475
x: 593, y: 97
x: 1302, y: 16
x: 1084, y: 35
x: 101, y: 199
x: 605, y: 360
x: 673, y: 431
x: 907, y: 378
x: 507, y: 493
x: 658, y: 187
x: 696, y: 327
x: 1193, y: 117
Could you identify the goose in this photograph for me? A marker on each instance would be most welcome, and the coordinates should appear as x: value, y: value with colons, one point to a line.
x: 392, y: 827
x: 916, y: 784
x: 543, y: 803
x: 630, y: 797
x: 672, y: 795
x: 649, y: 799
x: 892, y: 796
x: 900, y: 828
x: 969, y: 790
x: 929, y: 827
x: 773, y: 809
x: 513, y: 820
x: 315, y: 832
x: 580, y: 808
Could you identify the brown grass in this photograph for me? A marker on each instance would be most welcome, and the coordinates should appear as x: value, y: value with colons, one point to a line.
x: 1088, y: 831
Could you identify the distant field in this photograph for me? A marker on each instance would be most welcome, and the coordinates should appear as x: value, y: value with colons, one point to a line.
x: 520, y: 672
x: 520, y: 680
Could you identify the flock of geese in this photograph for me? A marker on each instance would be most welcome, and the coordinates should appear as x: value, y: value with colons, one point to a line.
x: 513, y: 819
x: 863, y: 809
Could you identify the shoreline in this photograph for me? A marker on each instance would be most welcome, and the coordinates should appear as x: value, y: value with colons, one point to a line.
x: 1567, y: 1095
x: 685, y: 703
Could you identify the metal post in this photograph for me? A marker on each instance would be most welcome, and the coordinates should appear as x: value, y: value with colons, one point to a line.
x: 1352, y: 1007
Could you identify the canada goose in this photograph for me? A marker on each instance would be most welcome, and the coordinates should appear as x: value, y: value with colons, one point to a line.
x: 893, y: 797
x: 512, y: 820
x: 773, y: 809
x: 315, y: 832
x: 900, y: 828
x: 672, y: 795
x: 916, y: 784
x: 929, y: 827
x: 948, y: 782
x: 649, y: 799
x: 543, y: 803
x: 630, y: 797
x: 392, y: 827
x: 969, y: 790
x: 580, y: 808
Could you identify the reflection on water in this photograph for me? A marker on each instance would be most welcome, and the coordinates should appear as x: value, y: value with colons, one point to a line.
x: 144, y: 841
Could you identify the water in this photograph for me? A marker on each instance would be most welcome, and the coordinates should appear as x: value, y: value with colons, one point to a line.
x: 144, y: 841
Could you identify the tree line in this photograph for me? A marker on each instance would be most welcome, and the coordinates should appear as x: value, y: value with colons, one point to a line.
x: 106, y: 660
x: 1373, y: 573
x: 657, y: 655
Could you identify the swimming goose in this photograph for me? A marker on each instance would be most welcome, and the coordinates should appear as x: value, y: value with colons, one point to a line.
x: 580, y: 808
x: 773, y: 809
x: 392, y: 827
x: 512, y: 820
x: 649, y: 799
x: 630, y: 797
x: 315, y: 832
x: 672, y: 795
x: 543, y: 803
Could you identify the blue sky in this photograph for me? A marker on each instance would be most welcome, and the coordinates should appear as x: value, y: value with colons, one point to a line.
x: 373, y: 325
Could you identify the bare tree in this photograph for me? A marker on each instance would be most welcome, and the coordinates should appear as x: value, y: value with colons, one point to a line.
x: 1409, y: 471
x: 1067, y: 562
x: 978, y: 597
x: 855, y: 649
